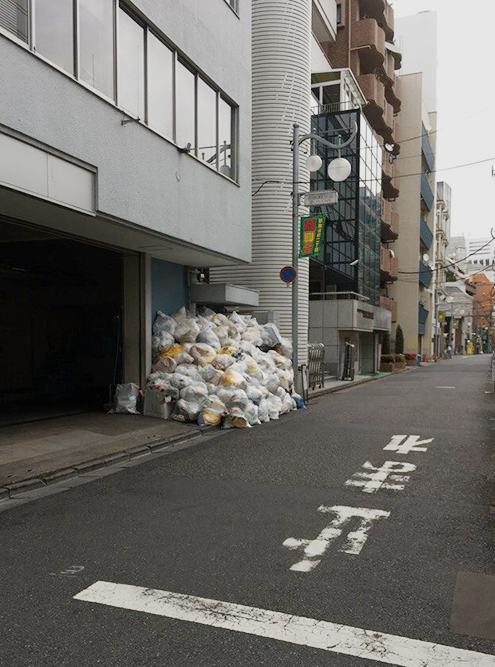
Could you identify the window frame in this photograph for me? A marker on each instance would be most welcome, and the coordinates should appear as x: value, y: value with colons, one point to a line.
x: 177, y: 55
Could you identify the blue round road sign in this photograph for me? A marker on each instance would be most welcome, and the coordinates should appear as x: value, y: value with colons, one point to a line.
x: 288, y: 274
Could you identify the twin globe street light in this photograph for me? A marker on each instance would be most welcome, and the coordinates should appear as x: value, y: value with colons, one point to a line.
x: 338, y: 170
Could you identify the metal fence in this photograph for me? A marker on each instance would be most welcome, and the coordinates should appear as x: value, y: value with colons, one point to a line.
x: 316, y: 356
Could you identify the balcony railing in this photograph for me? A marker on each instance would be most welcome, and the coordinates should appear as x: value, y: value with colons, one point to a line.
x: 426, y: 192
x: 425, y: 274
x: 422, y: 318
x: 427, y: 150
x: 426, y: 234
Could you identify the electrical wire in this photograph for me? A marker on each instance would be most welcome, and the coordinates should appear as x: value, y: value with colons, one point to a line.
x: 447, y: 266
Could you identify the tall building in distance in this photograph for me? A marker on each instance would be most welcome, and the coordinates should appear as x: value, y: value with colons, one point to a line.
x: 416, y: 135
x: 480, y: 256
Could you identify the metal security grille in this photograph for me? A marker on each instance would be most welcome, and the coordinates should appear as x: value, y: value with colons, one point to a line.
x: 316, y: 356
x: 14, y: 17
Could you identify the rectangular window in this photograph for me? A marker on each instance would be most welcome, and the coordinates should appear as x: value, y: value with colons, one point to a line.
x: 131, y: 65
x: 160, y: 87
x: 226, y: 144
x: 53, y: 33
x: 207, y: 123
x: 185, y: 107
x: 339, y: 13
x: 96, y: 52
x: 14, y: 17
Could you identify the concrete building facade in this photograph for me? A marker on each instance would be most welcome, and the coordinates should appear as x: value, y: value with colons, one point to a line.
x: 416, y: 207
x: 125, y: 160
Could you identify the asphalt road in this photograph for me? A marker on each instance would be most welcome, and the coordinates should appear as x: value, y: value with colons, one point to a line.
x: 211, y: 521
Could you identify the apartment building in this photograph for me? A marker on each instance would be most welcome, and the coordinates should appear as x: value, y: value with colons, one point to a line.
x: 125, y: 161
x: 416, y: 134
x: 441, y: 244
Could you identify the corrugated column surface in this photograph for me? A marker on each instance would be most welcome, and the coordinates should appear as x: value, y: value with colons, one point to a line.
x: 281, y: 89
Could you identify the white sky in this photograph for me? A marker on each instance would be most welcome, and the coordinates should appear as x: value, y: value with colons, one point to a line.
x: 466, y: 106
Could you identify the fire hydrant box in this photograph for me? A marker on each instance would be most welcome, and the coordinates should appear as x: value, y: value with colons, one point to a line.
x: 156, y: 405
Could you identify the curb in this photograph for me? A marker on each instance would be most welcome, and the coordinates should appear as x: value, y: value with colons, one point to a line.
x: 356, y: 383
x: 11, y: 491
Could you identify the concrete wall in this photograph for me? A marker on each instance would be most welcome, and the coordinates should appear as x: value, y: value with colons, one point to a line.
x: 168, y: 287
x: 141, y: 177
x: 406, y: 289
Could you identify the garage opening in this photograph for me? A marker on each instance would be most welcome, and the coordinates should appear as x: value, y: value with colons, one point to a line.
x: 61, y: 331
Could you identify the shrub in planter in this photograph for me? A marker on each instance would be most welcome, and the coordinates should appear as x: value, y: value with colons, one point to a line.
x: 387, y: 358
x: 387, y: 363
x: 400, y: 358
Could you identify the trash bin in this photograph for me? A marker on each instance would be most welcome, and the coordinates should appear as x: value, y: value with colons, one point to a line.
x: 418, y: 359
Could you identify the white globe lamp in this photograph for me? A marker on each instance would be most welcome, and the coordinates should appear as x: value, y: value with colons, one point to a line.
x: 313, y: 163
x: 339, y: 169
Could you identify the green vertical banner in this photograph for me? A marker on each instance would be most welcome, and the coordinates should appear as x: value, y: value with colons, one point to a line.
x: 311, y: 235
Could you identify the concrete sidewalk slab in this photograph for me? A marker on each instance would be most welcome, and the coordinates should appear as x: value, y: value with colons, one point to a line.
x: 39, y: 450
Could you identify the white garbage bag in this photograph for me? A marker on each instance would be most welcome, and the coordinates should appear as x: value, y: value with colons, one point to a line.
x: 238, y: 321
x: 263, y: 411
x: 202, y: 354
x: 207, y: 335
x: 270, y: 334
x: 254, y: 393
x: 187, y: 330
x: 223, y: 361
x: 274, y: 406
x: 219, y: 319
x: 189, y: 370
x: 186, y: 411
x: 195, y: 393
x: 165, y: 365
x: 212, y: 412
x: 161, y: 341
x: 179, y: 381
x: 126, y: 396
x: 236, y: 419
x: 233, y: 380
x: 164, y: 324
x: 211, y: 375
x: 183, y: 358
x: 222, y: 333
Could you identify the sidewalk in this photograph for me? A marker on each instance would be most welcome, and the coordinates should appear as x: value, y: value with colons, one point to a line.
x: 39, y: 453
x: 332, y: 385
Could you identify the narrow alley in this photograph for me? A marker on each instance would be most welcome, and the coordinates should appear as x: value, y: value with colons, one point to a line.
x: 359, y: 532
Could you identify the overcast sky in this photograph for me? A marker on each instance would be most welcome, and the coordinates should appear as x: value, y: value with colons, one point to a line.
x: 466, y: 106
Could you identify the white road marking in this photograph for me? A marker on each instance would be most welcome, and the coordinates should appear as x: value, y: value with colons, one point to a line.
x: 371, y: 482
x: 355, y: 539
x: 444, y: 387
x: 300, y: 630
x: 412, y: 444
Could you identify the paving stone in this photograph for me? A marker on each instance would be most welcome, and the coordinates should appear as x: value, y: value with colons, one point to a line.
x: 4, y: 493
x: 141, y: 450
x: 60, y: 475
x: 90, y: 465
x: 24, y: 487
x: 116, y: 458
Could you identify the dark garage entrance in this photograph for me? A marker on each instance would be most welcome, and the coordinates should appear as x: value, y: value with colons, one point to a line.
x: 60, y: 335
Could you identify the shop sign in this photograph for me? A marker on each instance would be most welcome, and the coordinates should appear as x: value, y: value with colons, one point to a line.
x: 311, y: 235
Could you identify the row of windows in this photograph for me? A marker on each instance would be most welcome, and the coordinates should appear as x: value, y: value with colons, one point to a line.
x: 101, y: 44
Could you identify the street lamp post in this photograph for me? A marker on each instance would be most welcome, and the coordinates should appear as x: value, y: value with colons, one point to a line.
x: 338, y: 170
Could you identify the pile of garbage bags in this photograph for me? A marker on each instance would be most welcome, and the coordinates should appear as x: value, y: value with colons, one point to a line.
x: 222, y: 368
